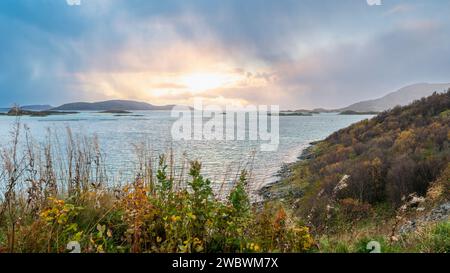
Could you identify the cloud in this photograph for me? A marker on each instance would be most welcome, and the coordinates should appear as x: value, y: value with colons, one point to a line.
x: 293, y: 53
x: 401, y: 8
x: 371, y: 68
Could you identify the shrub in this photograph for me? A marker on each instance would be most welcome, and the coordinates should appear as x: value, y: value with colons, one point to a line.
x: 354, y: 209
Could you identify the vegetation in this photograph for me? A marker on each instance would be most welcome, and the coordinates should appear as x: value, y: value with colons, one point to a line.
x: 51, y: 199
x: 367, y: 182
x: 358, y: 181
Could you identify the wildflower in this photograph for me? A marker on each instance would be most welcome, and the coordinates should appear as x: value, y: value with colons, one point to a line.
x: 192, y: 216
x: 257, y: 248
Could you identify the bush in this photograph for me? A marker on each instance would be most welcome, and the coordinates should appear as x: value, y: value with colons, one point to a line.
x: 397, y: 153
x: 354, y: 209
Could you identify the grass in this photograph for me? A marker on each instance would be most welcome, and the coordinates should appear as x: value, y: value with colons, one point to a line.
x: 160, y: 220
x: 433, y: 238
x: 50, y: 198
x: 52, y: 195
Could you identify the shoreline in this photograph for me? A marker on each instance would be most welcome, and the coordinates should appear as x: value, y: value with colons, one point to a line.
x: 285, y: 172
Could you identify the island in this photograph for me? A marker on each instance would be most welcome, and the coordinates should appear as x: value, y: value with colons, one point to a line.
x: 126, y: 105
x: 292, y: 114
x: 350, y: 112
x: 16, y: 111
x: 115, y: 112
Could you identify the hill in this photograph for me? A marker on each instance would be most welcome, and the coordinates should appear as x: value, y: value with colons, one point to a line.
x: 123, y: 105
x: 36, y: 107
x: 378, y: 177
x: 401, y: 97
x: 396, y: 153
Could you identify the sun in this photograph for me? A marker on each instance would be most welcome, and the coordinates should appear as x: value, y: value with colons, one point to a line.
x: 199, y: 82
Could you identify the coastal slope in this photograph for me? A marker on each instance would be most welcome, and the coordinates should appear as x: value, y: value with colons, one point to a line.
x: 385, y: 178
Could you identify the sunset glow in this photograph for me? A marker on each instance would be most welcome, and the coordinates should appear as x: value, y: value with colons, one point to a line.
x: 225, y: 129
x: 172, y: 52
x: 200, y: 82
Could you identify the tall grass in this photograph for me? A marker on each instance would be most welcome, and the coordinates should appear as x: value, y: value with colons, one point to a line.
x: 58, y: 192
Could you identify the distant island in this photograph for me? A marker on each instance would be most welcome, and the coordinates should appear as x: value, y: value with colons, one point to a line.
x: 16, y: 111
x: 111, y: 105
x: 350, y: 112
x: 400, y: 97
x: 291, y: 113
x: 313, y: 111
x: 36, y: 107
x: 120, y: 113
x: 115, y: 112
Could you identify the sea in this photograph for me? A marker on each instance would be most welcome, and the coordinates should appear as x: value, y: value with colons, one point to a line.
x: 120, y: 136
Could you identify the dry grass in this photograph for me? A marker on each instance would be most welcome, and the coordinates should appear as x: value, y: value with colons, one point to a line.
x: 58, y: 191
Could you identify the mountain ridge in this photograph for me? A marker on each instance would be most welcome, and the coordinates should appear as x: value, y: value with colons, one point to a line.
x: 124, y: 105
x: 401, y: 97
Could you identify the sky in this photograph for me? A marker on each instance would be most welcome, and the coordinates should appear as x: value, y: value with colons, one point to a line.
x: 293, y: 53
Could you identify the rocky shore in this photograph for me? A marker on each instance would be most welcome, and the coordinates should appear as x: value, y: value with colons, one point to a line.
x: 284, y: 173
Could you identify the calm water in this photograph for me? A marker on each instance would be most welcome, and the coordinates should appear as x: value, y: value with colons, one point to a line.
x: 221, y: 159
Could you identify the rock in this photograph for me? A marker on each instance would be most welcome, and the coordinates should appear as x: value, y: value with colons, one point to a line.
x: 320, y: 193
x: 306, y: 154
x: 412, y: 201
x: 439, y: 213
x: 284, y: 173
x: 341, y: 185
x: 408, y: 227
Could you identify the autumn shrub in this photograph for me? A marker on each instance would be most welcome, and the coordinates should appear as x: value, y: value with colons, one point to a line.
x: 52, y: 206
x: 276, y: 231
x: 138, y: 212
x: 354, y: 209
x: 58, y: 220
x: 397, y: 153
